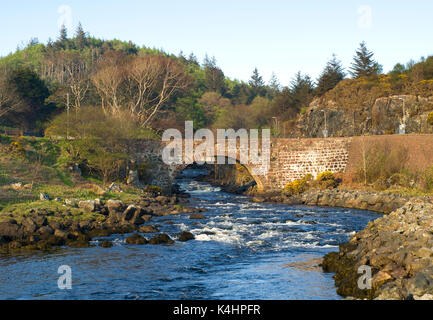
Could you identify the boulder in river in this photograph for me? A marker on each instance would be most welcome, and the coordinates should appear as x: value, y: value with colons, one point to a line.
x: 197, y: 216
x: 136, y: 239
x: 185, y: 236
x: 161, y: 239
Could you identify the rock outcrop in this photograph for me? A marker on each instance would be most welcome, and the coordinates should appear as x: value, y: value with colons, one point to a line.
x: 399, y: 250
x: 380, y: 116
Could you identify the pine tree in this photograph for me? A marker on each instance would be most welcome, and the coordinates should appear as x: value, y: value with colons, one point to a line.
x: 63, y: 42
x: 301, y: 90
x: 214, y: 80
x: 257, y: 85
x: 80, y: 37
x: 63, y: 33
x: 364, y: 64
x: 330, y: 76
x: 274, y: 83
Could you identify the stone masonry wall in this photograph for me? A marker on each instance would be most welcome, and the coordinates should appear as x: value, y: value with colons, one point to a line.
x: 292, y: 159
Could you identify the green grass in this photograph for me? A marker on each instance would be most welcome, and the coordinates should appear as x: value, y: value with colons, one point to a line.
x: 20, y: 210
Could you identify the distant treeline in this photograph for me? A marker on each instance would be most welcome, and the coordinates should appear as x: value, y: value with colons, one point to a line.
x: 156, y: 90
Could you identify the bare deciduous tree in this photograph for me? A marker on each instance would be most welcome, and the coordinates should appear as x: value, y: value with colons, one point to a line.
x: 141, y: 85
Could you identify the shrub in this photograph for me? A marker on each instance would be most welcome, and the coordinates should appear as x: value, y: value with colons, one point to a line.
x: 381, y: 161
x: 154, y: 190
x: 143, y: 171
x: 429, y: 179
x: 16, y: 146
x: 296, y: 187
x: 327, y: 180
x: 430, y: 118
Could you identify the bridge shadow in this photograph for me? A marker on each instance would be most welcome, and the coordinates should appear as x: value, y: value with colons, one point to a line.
x: 226, y: 172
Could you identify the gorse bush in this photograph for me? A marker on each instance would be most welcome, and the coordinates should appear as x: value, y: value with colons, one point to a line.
x: 327, y: 180
x: 430, y: 119
x: 296, y: 187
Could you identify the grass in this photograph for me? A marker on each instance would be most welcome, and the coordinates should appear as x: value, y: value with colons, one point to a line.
x: 20, y: 210
x: 41, y: 162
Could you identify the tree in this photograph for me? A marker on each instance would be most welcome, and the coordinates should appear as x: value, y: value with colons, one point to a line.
x: 214, y: 77
x: 141, y: 85
x: 188, y: 109
x: 80, y: 38
x: 257, y: 84
x: 301, y: 89
x: 274, y: 83
x: 9, y: 98
x: 32, y: 91
x: 364, y: 64
x: 62, y: 41
x: 330, y: 76
x: 213, y: 104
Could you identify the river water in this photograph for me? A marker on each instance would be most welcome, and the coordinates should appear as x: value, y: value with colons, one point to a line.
x: 243, y: 250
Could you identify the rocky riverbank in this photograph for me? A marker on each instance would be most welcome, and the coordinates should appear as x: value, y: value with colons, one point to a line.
x: 399, y: 249
x: 364, y: 200
x: 78, y: 222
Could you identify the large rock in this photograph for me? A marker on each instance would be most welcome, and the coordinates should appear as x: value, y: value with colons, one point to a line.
x: 11, y: 229
x: 161, y: 239
x: 148, y: 229
x: 40, y: 220
x: 133, y: 215
x: 115, y: 206
x: 422, y: 283
x: 29, y: 225
x: 88, y: 205
x: 136, y: 239
x: 197, y: 216
x: 185, y: 236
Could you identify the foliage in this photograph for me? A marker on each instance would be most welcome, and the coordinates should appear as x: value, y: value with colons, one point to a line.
x: 430, y: 119
x: 364, y: 65
x: 327, y: 180
x: 152, y: 190
x: 298, y: 186
x: 428, y: 176
x: 381, y: 163
x: 330, y: 76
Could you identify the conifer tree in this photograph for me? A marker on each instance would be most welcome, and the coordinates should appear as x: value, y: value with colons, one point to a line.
x: 364, y: 64
x: 257, y: 84
x: 330, y: 76
x: 80, y: 37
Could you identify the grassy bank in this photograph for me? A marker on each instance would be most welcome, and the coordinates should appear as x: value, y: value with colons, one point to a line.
x: 30, y: 166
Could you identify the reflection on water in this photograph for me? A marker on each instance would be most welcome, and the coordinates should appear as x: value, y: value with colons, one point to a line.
x: 243, y: 250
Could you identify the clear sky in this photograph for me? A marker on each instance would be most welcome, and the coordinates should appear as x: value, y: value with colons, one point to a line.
x: 273, y: 35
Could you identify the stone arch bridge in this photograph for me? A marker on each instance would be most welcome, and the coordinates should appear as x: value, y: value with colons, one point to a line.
x: 290, y: 159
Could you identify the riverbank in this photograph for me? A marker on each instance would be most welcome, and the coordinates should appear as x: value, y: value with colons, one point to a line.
x: 49, y: 225
x: 383, y: 202
x: 397, y: 246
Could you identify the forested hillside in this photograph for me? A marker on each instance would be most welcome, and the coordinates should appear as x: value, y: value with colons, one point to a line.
x: 153, y: 90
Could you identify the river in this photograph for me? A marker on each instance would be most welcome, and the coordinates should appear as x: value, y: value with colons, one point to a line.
x: 243, y: 250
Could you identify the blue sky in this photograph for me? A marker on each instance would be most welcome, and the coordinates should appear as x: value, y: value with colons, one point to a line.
x: 274, y: 35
